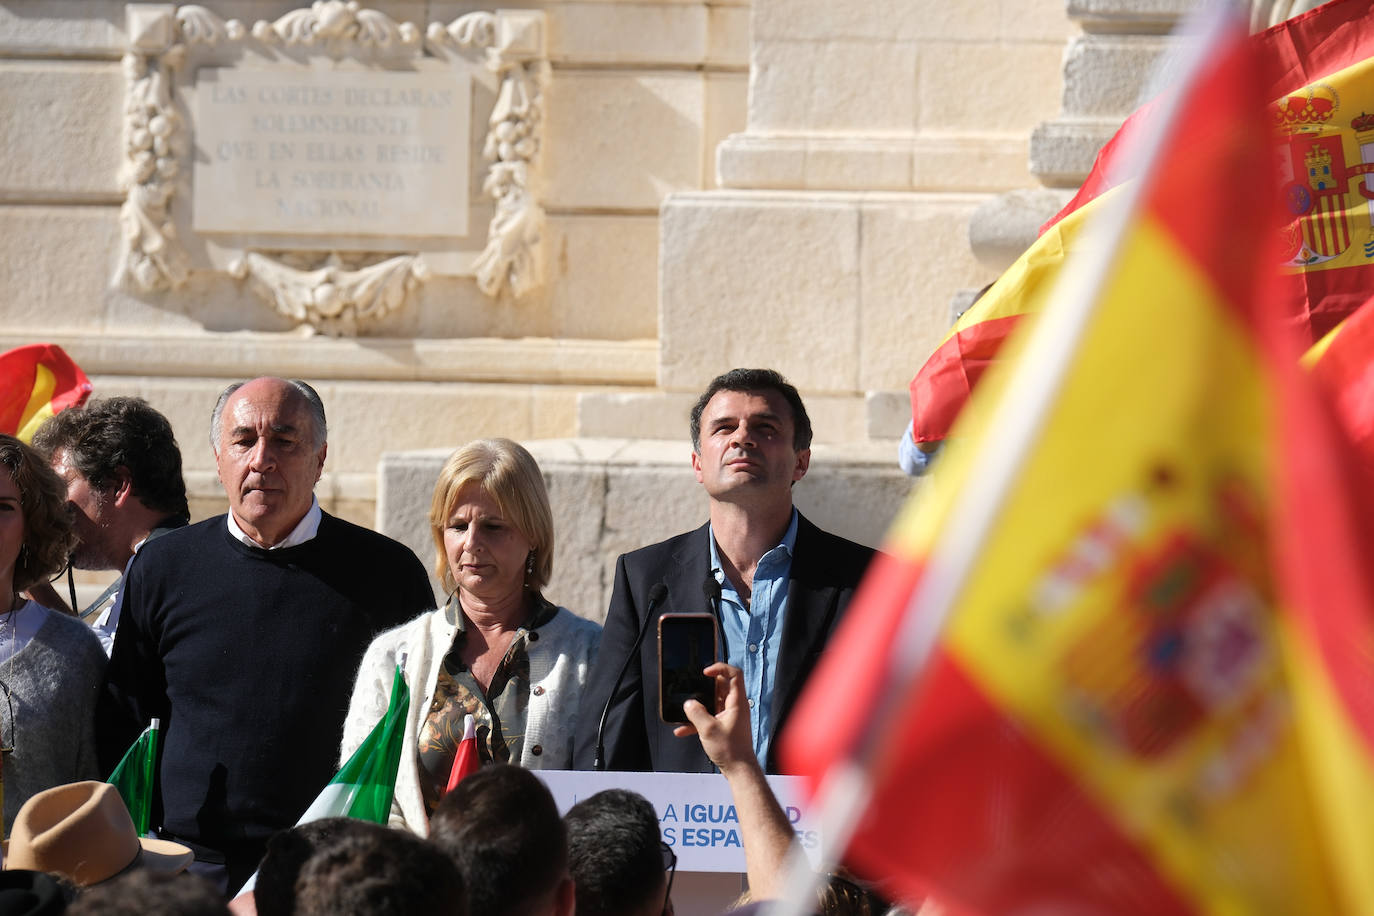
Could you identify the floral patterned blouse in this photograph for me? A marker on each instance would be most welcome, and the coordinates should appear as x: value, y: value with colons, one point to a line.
x: 499, y: 711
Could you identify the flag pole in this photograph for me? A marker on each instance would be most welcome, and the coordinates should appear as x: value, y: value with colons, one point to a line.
x: 994, y: 467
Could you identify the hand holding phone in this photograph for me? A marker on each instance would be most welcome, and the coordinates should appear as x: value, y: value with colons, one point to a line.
x: 725, y: 734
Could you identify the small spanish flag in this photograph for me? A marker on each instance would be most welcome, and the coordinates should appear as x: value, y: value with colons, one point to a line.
x: 37, y: 381
x: 466, y: 760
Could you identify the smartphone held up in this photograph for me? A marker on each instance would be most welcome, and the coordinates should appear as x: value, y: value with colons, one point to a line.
x: 687, y: 643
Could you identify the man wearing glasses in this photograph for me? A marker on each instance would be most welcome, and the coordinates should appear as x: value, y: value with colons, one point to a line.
x: 619, y: 863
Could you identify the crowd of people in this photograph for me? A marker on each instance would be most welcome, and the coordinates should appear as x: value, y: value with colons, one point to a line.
x: 265, y: 641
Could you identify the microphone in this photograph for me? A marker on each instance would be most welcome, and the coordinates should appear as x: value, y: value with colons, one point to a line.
x: 711, y: 589
x: 657, y: 593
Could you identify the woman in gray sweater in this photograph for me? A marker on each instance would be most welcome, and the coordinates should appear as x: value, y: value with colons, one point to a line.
x: 51, y: 665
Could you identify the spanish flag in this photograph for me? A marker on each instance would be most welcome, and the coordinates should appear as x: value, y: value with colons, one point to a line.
x: 1116, y: 658
x: 1343, y: 364
x: 37, y: 381
x: 466, y: 759
x: 1318, y: 75
x: 942, y: 387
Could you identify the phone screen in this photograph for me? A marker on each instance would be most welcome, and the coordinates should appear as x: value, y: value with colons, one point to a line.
x: 686, y: 644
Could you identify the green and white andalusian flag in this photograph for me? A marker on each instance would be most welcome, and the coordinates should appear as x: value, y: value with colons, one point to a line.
x: 364, y: 786
x: 133, y: 777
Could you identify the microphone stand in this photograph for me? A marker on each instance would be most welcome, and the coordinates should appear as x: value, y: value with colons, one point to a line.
x: 656, y: 596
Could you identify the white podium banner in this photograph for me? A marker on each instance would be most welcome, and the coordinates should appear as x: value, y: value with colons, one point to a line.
x: 695, y: 812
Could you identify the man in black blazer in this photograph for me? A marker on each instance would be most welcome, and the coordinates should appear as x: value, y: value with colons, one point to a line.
x: 777, y: 583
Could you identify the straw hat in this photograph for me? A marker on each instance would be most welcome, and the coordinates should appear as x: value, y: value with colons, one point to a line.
x: 83, y: 831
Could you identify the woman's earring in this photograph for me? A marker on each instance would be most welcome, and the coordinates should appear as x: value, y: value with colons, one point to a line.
x: 529, y: 568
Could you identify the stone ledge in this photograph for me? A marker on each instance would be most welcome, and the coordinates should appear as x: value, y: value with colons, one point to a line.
x: 527, y: 360
x: 1105, y: 75
x: 37, y: 28
x: 1062, y: 151
x: 875, y: 162
x: 1002, y: 228
x: 1129, y: 16
x: 633, y: 33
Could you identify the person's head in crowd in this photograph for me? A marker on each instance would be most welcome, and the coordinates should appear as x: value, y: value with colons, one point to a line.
x: 83, y: 832
x: 501, y: 477
x: 145, y: 893
x: 122, y: 469
x: 35, y: 531
x: 619, y: 863
x: 501, y: 826
x: 269, y: 439
x: 287, y: 851
x: 379, y: 872
x: 751, y: 438
x: 840, y: 895
x: 24, y: 892
x: 845, y: 895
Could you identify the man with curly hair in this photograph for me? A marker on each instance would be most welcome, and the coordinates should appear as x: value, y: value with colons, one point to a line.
x: 122, y: 468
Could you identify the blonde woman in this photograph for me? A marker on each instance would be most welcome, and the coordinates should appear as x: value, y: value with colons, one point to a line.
x: 497, y: 649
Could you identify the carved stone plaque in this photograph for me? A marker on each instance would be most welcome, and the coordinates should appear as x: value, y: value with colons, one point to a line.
x: 325, y: 151
x: 332, y: 159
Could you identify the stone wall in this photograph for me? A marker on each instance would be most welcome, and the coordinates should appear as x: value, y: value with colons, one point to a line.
x: 788, y: 183
x: 638, y: 97
x: 874, y: 132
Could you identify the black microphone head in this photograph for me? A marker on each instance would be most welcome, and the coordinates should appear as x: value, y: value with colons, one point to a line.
x: 711, y: 588
x: 657, y: 593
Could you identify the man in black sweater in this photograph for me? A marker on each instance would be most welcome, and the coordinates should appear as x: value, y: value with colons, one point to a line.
x: 243, y: 634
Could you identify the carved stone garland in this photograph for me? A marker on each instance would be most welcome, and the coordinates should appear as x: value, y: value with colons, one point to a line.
x: 334, y: 294
x: 154, y: 144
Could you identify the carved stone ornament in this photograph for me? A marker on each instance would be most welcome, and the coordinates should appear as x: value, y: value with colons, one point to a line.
x: 332, y: 297
x: 336, y: 290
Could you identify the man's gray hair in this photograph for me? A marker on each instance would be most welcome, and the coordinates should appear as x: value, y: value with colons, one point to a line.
x: 312, y: 400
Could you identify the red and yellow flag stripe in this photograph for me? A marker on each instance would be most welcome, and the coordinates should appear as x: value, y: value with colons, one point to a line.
x: 37, y: 381
x: 944, y: 383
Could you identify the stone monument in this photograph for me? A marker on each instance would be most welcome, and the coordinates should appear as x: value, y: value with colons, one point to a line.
x: 553, y: 223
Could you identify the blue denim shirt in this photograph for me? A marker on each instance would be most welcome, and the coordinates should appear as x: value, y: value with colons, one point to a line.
x: 752, y: 636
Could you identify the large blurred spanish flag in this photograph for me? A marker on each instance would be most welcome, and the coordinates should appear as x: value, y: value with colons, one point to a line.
x: 1318, y: 75
x: 37, y: 381
x: 1343, y: 364
x: 1154, y: 690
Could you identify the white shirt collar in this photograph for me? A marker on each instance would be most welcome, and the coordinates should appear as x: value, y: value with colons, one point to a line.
x: 305, y: 529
